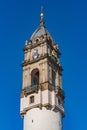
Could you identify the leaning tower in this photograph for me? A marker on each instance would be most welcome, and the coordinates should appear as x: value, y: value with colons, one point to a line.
x: 42, y: 96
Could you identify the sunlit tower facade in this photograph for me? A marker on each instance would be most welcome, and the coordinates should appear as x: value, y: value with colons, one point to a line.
x: 42, y: 97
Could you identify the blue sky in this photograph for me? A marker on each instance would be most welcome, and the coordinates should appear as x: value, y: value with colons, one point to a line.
x: 67, y: 23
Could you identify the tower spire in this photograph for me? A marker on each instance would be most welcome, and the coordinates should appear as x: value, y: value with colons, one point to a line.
x: 41, y: 16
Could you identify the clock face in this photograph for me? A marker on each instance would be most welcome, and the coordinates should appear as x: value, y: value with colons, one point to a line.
x: 35, y: 50
x: 35, y: 53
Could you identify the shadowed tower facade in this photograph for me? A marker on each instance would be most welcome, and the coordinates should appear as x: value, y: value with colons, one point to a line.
x: 42, y: 96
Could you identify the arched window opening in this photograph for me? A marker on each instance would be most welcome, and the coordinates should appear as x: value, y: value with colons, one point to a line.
x: 35, y: 77
x: 53, y: 78
x: 60, y: 101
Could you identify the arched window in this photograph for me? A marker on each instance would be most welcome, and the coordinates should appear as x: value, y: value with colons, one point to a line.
x: 60, y: 101
x: 34, y: 77
x: 53, y: 78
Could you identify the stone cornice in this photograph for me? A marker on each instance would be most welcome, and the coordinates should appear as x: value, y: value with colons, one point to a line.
x: 48, y: 107
x: 48, y: 42
x: 43, y: 86
x: 34, y: 45
x: 49, y: 58
x: 34, y: 60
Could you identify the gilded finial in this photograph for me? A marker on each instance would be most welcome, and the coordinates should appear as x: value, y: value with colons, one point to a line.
x: 42, y: 16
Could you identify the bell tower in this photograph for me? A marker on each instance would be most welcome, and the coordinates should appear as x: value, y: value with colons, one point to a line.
x: 42, y: 96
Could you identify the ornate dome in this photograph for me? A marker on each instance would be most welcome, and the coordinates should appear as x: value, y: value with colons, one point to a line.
x: 39, y: 32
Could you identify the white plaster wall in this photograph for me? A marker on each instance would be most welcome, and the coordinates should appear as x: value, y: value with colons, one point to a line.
x: 25, y: 102
x: 53, y: 98
x: 36, y: 119
x: 50, y: 97
x: 45, y: 97
x: 56, y: 100
x: 40, y: 97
